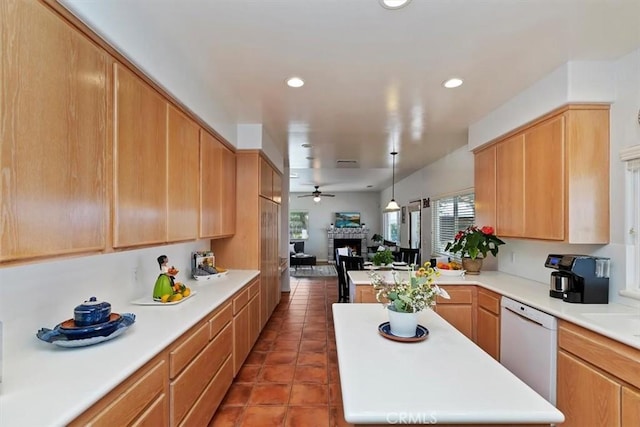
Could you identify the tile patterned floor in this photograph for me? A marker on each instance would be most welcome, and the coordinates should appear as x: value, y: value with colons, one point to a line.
x: 290, y: 378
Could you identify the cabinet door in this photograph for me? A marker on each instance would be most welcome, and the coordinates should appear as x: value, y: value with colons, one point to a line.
x: 630, y: 407
x: 277, y: 187
x: 586, y: 397
x: 266, y: 179
x: 228, y: 192
x: 184, y: 182
x: 54, y: 136
x: 210, y: 185
x: 485, y: 186
x: 510, y: 187
x: 488, y: 332
x: 459, y: 315
x: 140, y: 162
x: 254, y: 319
x: 544, y: 180
x: 241, y: 344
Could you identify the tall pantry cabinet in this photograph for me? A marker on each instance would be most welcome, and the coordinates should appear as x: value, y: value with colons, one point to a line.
x: 255, y: 242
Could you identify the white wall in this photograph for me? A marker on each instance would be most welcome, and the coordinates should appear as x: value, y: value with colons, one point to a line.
x: 450, y: 174
x: 322, y: 214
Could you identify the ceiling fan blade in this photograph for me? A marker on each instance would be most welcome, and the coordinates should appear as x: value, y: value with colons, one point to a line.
x: 306, y: 195
x: 328, y: 195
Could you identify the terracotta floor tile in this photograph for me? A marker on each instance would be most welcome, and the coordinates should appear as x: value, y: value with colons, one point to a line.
x: 314, y: 335
x: 264, y: 416
x: 238, y: 394
x: 315, y: 327
x: 310, y: 374
x: 335, y: 394
x: 277, y: 373
x: 312, y: 359
x: 311, y: 345
x: 270, y: 394
x: 281, y: 357
x: 290, y: 335
x: 292, y: 345
x: 256, y: 358
x: 307, y: 417
x: 334, y: 373
x: 309, y: 394
x: 316, y: 318
x: 248, y: 374
x: 336, y: 416
x: 227, y: 416
x: 269, y: 335
x: 263, y: 345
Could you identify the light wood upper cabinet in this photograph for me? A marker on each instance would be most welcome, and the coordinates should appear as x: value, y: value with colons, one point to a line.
x: 55, y: 134
x: 140, y: 163
x: 544, y: 188
x: 510, y: 187
x: 210, y: 185
x: 183, y: 177
x: 485, y: 186
x: 228, y: 191
x: 552, y: 178
x: 277, y: 187
x: 266, y: 179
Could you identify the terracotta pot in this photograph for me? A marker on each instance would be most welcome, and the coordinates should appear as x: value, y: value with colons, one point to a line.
x: 472, y: 266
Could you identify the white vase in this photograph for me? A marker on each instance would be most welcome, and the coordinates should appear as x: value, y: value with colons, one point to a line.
x: 403, y: 324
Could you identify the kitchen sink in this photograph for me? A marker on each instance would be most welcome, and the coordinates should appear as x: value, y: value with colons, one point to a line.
x: 623, y: 322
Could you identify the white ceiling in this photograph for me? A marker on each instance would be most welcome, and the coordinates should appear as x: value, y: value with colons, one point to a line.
x: 373, y: 76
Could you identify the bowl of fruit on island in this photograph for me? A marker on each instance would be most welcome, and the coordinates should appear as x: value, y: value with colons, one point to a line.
x: 451, y: 268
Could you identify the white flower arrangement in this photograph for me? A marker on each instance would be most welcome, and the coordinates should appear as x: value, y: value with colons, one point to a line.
x: 409, y: 295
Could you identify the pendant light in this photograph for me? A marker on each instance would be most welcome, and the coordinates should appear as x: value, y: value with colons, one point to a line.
x: 393, y: 205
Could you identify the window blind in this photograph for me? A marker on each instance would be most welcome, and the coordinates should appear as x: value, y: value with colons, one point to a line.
x: 450, y: 214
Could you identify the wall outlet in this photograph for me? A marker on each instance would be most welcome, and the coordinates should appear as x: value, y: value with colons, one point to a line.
x: 134, y: 275
x: 513, y: 257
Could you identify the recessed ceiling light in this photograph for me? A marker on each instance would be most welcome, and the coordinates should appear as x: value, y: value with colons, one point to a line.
x: 394, y: 4
x: 451, y: 83
x: 310, y: 158
x: 307, y: 145
x: 295, y: 82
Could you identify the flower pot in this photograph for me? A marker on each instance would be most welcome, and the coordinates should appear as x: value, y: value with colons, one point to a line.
x: 403, y: 324
x: 472, y: 266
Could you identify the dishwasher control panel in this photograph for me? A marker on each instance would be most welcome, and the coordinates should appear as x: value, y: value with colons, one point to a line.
x: 540, y: 317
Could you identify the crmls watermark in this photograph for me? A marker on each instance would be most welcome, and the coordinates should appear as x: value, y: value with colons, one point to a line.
x: 411, y: 418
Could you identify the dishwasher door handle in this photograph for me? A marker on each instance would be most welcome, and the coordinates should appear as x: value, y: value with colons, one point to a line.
x: 522, y: 317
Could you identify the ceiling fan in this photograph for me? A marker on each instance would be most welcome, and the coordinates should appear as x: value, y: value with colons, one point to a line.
x: 317, y: 193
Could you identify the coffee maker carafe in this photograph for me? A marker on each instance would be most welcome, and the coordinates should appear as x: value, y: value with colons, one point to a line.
x: 579, y: 278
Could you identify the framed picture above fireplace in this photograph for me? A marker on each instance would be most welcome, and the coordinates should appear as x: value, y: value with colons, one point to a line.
x: 347, y: 220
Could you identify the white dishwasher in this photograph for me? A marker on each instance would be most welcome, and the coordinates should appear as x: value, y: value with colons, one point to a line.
x: 528, y: 346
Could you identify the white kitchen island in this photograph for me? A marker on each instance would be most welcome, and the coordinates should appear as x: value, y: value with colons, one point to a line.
x: 444, y: 379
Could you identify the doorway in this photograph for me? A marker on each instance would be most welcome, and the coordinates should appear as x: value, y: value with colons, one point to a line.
x: 415, y: 236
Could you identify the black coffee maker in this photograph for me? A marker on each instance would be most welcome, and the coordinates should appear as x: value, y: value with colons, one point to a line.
x: 579, y: 278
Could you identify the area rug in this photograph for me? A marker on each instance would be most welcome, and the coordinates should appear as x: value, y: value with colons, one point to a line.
x: 316, y: 271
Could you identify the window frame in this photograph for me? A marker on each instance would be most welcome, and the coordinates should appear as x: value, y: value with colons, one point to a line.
x: 386, y: 225
x: 439, y: 242
x: 631, y: 158
x: 292, y: 229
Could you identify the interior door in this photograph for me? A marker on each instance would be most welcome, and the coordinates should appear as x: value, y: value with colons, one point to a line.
x: 414, y: 226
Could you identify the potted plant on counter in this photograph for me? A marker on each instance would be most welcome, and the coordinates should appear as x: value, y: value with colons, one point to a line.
x: 406, y: 296
x: 382, y: 257
x: 473, y: 244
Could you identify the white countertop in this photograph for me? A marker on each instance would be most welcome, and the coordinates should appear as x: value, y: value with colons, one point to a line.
x: 444, y: 379
x: 536, y: 294
x: 46, y: 385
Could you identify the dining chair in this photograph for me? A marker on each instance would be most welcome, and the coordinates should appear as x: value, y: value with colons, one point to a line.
x: 349, y: 263
x: 410, y: 256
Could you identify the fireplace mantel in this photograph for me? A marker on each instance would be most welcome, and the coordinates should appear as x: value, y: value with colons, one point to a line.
x: 355, y: 233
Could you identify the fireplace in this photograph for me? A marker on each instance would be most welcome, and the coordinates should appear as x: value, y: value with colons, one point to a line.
x: 355, y: 238
x: 354, y: 244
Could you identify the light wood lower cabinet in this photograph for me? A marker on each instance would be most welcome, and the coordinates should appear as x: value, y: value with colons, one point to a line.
x: 186, y: 382
x: 459, y: 309
x: 488, y: 322
x: 630, y: 407
x: 139, y: 400
x: 598, y: 379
